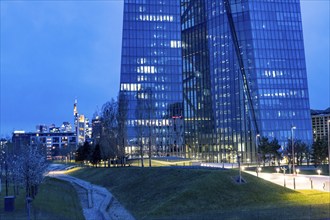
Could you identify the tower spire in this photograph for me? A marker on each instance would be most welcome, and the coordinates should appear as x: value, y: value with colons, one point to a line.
x: 75, y: 109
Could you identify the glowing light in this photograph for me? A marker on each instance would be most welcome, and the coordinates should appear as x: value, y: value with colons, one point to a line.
x: 146, y: 69
x: 130, y: 87
x: 168, y: 18
x: 175, y: 44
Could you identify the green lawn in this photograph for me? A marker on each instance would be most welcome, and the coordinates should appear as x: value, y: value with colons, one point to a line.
x: 161, y: 192
x: 56, y: 200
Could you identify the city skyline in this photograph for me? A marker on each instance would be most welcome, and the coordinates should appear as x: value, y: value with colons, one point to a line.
x: 74, y: 48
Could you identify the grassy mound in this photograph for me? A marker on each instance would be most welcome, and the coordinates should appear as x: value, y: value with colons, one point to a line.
x: 163, y: 192
x: 56, y: 199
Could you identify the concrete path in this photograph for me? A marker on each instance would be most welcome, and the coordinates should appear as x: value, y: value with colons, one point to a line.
x: 297, y: 182
x: 97, y: 202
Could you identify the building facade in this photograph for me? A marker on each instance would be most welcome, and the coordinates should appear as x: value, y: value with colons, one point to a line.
x: 320, y: 124
x: 151, y: 76
x: 244, y: 74
x: 82, y: 127
x: 243, y: 71
x: 55, y: 145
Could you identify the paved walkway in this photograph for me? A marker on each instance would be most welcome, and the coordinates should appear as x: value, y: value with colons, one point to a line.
x: 97, y: 202
x: 298, y: 182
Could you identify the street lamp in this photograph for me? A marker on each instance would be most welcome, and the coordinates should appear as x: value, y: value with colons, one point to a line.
x: 258, y: 170
x: 239, y: 168
x: 284, y: 169
x: 292, y: 145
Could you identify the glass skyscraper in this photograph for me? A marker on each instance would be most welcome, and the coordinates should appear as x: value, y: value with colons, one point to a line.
x: 151, y: 76
x: 239, y: 72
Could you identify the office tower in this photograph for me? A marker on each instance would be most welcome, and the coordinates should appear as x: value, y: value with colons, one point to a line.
x: 96, y: 129
x: 244, y: 76
x: 151, y: 76
x: 75, y: 116
x: 320, y: 124
x: 243, y: 71
x: 82, y: 127
x: 66, y: 127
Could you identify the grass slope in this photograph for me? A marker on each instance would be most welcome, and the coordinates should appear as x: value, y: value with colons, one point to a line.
x: 162, y: 192
x: 56, y: 199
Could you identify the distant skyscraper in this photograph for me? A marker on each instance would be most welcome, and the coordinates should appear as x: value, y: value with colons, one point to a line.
x: 75, y: 116
x: 66, y: 127
x: 96, y: 129
x: 82, y: 127
x: 241, y: 70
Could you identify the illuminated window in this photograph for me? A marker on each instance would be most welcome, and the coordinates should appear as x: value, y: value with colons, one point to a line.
x: 146, y: 69
x: 175, y: 44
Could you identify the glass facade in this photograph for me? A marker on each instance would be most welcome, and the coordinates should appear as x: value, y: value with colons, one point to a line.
x: 151, y: 76
x: 231, y: 70
x: 244, y: 76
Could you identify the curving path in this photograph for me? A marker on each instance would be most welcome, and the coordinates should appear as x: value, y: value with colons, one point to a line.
x: 97, y: 202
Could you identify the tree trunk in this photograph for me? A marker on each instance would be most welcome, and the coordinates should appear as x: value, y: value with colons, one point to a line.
x: 141, y: 152
x: 149, y: 153
x: 6, y: 181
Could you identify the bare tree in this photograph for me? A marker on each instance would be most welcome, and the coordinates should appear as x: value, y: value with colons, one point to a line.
x: 144, y: 127
x: 7, y: 162
x: 112, y: 136
x: 31, y: 167
x: 121, y: 119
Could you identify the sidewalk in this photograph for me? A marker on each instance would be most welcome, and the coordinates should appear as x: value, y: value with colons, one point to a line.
x: 296, y: 182
x: 97, y: 202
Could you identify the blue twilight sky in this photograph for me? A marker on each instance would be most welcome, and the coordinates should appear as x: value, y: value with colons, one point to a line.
x: 55, y: 51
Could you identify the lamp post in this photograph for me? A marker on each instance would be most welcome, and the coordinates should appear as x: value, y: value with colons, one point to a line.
x: 258, y: 170
x: 284, y: 169
x: 292, y: 145
x: 239, y: 168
